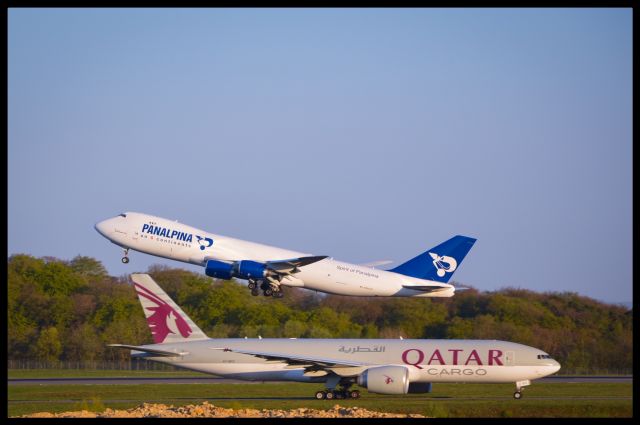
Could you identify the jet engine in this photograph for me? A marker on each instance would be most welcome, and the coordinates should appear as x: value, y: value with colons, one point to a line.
x: 219, y: 270
x: 385, y: 380
x: 250, y: 270
x: 419, y: 387
x: 244, y: 269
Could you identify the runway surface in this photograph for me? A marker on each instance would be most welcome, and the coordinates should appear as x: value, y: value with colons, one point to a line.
x: 214, y: 380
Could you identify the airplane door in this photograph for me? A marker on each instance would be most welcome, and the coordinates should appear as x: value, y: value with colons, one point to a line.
x: 509, y: 358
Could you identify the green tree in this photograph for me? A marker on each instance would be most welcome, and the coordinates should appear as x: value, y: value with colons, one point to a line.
x: 48, y: 346
x: 88, y: 267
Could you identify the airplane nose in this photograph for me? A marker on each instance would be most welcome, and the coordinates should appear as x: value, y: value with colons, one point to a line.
x: 102, y: 227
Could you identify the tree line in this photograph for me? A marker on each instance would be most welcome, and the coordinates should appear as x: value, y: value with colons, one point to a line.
x: 70, y: 310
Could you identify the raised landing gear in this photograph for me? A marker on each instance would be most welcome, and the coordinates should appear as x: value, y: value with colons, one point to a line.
x: 125, y: 259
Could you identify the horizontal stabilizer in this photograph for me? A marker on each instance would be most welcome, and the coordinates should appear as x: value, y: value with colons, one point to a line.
x: 428, y: 288
x: 152, y: 351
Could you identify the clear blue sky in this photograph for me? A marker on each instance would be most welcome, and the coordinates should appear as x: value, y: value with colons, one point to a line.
x: 364, y: 134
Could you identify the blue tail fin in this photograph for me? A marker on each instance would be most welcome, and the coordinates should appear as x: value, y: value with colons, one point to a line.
x: 439, y: 262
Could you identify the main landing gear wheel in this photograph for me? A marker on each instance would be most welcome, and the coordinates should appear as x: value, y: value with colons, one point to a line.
x: 517, y: 395
x: 255, y: 292
x: 268, y: 292
x: 337, y: 394
x: 252, y: 285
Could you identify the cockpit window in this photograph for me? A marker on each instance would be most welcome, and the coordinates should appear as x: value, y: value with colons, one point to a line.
x: 544, y: 356
x: 123, y: 215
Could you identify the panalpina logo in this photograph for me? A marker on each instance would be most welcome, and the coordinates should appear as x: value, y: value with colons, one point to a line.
x: 444, y: 264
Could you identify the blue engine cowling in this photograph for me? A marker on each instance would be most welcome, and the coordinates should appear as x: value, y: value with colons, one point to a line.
x: 244, y: 269
x: 219, y: 270
x: 247, y: 269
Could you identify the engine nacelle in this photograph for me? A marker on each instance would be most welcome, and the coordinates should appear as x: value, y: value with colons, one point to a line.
x: 385, y: 380
x: 247, y: 269
x: 419, y: 387
x: 244, y: 269
x: 219, y: 270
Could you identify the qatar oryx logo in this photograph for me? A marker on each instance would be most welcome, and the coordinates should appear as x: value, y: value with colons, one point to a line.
x: 162, y: 318
x: 388, y: 379
x: 443, y: 264
x: 204, y: 242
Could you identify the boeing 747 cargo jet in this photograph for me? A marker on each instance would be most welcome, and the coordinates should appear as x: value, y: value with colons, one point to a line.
x: 270, y: 268
x: 384, y: 366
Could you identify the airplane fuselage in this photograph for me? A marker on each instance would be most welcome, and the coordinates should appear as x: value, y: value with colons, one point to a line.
x: 478, y: 361
x: 384, y: 366
x: 176, y: 241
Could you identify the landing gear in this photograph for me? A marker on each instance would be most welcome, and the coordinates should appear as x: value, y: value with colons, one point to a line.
x: 337, y: 394
x: 519, y: 388
x: 125, y: 259
x: 333, y: 393
x: 268, y: 289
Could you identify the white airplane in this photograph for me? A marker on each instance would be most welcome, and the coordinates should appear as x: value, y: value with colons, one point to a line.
x: 270, y: 268
x: 384, y: 366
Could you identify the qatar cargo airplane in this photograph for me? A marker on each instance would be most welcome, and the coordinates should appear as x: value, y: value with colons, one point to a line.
x: 270, y: 268
x: 384, y: 366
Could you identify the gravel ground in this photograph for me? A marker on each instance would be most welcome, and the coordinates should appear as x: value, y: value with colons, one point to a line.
x: 207, y: 410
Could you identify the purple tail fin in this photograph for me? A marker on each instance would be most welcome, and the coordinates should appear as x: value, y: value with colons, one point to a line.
x: 167, y: 321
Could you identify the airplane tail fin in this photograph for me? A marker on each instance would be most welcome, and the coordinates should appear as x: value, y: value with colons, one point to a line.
x: 167, y: 321
x: 438, y: 263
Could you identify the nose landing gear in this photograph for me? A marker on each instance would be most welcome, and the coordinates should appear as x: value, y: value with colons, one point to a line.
x: 520, y: 387
x: 125, y: 259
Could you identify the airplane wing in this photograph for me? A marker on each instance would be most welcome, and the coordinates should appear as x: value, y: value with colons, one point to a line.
x: 291, y: 266
x: 309, y: 362
x: 376, y: 263
x: 153, y: 351
x: 428, y: 288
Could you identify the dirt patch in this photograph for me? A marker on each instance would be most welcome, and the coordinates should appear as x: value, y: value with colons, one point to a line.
x: 207, y: 410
